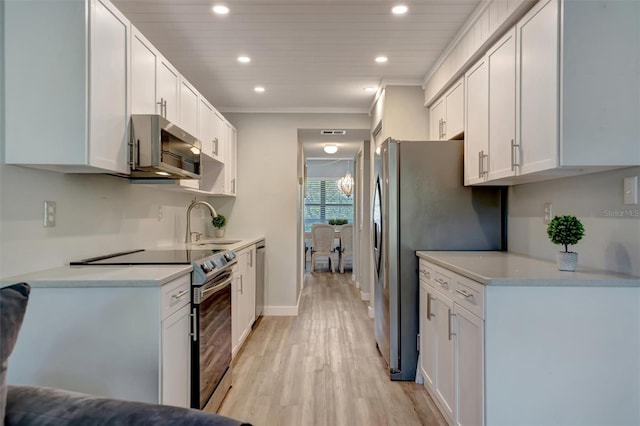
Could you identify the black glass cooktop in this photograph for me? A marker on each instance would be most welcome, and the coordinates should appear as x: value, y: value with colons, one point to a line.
x: 149, y: 257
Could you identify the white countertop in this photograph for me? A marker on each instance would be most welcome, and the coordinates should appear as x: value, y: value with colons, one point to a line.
x: 509, y: 269
x: 123, y: 276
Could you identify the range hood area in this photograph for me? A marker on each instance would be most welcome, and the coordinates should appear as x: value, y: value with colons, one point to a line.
x: 158, y: 149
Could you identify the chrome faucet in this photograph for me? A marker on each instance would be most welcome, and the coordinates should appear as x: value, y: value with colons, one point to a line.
x: 187, y: 238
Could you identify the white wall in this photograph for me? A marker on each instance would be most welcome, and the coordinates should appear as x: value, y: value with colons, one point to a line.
x: 610, y: 242
x: 329, y: 168
x: 96, y: 215
x: 268, y: 189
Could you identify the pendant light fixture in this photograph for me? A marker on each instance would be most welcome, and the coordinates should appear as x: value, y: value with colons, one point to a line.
x: 345, y: 184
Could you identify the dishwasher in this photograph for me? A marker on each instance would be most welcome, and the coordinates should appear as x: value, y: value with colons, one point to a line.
x: 260, y: 248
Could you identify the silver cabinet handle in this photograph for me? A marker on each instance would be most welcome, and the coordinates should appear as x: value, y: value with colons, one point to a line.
x: 480, y: 173
x: 464, y: 293
x: 163, y: 107
x: 429, y: 313
x: 451, y: 333
x: 444, y: 129
x: 426, y: 273
x: 233, y: 186
x: 514, y: 162
x: 179, y: 295
x: 443, y: 283
x: 215, y: 144
x: 241, y: 285
x: 194, y: 325
x: 485, y: 170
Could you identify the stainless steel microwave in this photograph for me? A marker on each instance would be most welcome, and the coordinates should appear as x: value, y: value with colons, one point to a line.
x: 160, y: 149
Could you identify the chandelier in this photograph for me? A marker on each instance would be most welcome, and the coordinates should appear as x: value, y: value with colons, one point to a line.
x: 345, y: 184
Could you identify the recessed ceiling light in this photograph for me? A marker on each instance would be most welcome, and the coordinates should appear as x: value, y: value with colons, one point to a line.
x: 381, y: 59
x: 220, y: 9
x: 370, y: 89
x: 244, y: 59
x: 400, y: 9
x: 259, y: 89
x: 330, y: 149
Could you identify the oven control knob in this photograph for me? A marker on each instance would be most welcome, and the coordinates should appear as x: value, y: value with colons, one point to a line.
x: 207, y: 266
x: 229, y: 256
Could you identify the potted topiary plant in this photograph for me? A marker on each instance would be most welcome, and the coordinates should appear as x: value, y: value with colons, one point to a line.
x: 566, y: 230
x: 219, y: 222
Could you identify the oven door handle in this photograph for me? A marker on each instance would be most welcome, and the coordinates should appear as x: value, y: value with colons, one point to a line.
x: 213, y: 290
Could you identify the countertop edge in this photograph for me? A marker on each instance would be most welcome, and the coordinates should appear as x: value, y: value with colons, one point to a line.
x: 613, y: 280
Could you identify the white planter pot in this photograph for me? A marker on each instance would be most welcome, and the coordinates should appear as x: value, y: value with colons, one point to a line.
x: 219, y: 232
x: 567, y: 261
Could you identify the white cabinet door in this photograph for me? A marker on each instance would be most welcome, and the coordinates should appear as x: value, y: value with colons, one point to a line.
x: 236, y: 321
x: 144, y: 60
x: 470, y: 368
x: 205, y: 126
x: 476, y: 134
x: 538, y: 87
x: 188, y: 107
x: 454, y: 114
x: 168, y: 91
x: 219, y: 137
x: 445, y: 361
x: 436, y: 119
x: 502, y: 107
x: 428, y: 339
x: 176, y: 359
x: 230, y: 161
x: 250, y: 288
x: 108, y: 108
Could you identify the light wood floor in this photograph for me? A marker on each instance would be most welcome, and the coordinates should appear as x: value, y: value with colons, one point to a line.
x: 322, y: 367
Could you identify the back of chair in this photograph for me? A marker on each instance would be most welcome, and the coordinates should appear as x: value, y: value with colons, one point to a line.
x: 346, y: 238
x: 322, y: 236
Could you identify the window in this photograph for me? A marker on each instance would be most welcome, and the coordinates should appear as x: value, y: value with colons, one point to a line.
x: 323, y: 201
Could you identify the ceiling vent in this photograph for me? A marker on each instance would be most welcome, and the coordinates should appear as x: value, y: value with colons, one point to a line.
x: 333, y: 132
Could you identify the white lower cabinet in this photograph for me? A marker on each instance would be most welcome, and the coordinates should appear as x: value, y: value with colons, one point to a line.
x: 243, y: 299
x: 470, y: 366
x: 176, y: 358
x: 451, y: 348
x: 129, y: 343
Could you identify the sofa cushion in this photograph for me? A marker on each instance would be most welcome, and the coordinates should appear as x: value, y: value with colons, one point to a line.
x: 13, y: 302
x: 42, y: 406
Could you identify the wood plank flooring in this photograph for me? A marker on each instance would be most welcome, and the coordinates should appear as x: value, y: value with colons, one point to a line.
x: 322, y: 368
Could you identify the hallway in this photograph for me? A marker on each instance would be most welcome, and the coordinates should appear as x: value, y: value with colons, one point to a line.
x: 322, y: 367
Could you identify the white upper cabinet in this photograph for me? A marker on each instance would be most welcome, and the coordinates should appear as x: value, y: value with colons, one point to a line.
x: 476, y: 134
x: 144, y: 66
x: 501, y: 60
x: 80, y: 98
x: 399, y: 113
x: 189, y: 100
x: 552, y: 75
x: 230, y: 162
x: 446, y: 115
x: 209, y: 130
x: 168, y: 91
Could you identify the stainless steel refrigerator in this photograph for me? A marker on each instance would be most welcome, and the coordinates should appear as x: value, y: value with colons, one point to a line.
x: 420, y: 203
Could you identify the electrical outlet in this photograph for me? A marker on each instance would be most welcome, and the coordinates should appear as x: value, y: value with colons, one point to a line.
x: 630, y: 190
x: 548, y: 213
x: 49, y: 219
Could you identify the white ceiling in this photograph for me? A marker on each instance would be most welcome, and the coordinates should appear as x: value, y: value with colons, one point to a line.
x: 349, y: 144
x: 310, y: 55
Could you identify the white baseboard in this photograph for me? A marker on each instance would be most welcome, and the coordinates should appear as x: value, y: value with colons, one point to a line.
x: 365, y: 296
x: 370, y: 311
x: 282, y: 311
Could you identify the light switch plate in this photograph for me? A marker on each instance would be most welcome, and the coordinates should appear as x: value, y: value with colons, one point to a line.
x: 630, y: 190
x: 49, y: 218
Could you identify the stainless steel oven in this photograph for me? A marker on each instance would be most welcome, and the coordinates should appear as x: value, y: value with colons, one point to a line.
x: 211, y: 340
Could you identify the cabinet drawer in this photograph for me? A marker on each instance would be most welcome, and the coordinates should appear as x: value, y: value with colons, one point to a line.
x: 443, y: 280
x: 175, y: 294
x: 470, y: 295
x: 425, y: 271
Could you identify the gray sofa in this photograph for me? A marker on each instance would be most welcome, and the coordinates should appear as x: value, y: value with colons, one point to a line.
x: 28, y: 405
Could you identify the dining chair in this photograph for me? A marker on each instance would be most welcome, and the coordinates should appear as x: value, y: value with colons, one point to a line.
x: 346, y: 244
x: 322, y: 236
